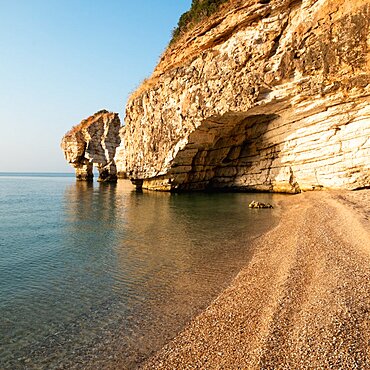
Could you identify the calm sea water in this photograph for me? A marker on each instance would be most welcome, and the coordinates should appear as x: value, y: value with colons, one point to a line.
x: 100, y: 276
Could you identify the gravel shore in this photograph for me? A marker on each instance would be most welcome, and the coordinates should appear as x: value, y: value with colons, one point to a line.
x: 302, y: 302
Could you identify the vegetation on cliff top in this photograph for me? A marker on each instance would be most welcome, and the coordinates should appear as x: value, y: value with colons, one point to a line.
x: 199, y: 10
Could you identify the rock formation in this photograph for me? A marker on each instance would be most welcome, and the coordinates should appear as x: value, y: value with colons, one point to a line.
x: 264, y: 95
x: 257, y: 205
x: 94, y: 141
x: 120, y: 157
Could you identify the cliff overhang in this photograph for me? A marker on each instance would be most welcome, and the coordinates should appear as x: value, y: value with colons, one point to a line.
x: 265, y: 96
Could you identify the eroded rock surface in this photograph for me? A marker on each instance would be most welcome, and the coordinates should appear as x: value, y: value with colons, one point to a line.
x: 94, y: 141
x: 265, y: 95
x: 120, y: 157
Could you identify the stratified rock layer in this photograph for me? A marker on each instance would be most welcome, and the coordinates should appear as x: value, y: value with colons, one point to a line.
x: 266, y: 95
x: 94, y: 141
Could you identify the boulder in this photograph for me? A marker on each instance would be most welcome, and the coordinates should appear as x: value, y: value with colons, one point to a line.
x: 255, y: 204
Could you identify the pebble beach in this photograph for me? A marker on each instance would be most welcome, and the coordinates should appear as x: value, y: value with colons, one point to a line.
x: 302, y: 302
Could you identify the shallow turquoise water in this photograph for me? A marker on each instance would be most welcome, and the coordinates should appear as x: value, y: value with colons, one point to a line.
x: 99, y: 276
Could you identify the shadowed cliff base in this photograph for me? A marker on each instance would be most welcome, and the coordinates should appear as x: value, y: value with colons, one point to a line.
x: 302, y: 302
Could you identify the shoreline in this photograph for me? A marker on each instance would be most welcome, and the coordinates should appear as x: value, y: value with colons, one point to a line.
x: 302, y: 301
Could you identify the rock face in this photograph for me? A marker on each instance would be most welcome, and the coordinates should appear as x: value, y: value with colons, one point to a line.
x: 94, y: 141
x: 120, y: 157
x: 264, y: 95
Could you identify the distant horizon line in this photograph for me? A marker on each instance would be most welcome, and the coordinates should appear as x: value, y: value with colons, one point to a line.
x: 37, y: 172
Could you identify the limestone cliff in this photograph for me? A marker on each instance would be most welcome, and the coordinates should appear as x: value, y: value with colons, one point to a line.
x: 264, y: 95
x: 120, y: 157
x: 94, y: 141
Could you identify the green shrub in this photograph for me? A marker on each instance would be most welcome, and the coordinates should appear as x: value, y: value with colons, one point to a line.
x: 199, y: 10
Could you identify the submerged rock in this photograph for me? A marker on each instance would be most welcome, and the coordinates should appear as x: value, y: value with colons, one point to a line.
x: 94, y: 141
x: 255, y: 204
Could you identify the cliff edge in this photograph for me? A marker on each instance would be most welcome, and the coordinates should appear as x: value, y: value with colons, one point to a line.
x: 263, y: 95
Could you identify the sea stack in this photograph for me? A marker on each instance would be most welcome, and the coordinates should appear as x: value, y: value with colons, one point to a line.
x: 94, y: 142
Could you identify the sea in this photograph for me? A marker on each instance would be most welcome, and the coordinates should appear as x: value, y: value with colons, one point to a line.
x: 100, y: 276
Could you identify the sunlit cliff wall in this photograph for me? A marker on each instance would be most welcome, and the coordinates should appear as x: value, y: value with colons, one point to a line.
x: 263, y: 95
x: 93, y: 142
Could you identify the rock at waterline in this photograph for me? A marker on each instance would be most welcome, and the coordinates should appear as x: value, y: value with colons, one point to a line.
x: 94, y: 141
x: 255, y: 204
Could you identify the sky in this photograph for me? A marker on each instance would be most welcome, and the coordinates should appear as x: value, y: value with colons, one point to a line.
x: 63, y: 60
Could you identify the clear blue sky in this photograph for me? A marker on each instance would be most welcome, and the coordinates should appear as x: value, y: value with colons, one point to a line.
x: 63, y: 60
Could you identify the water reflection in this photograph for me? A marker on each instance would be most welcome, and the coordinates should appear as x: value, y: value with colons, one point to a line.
x: 124, y: 271
x: 174, y: 254
x: 169, y: 255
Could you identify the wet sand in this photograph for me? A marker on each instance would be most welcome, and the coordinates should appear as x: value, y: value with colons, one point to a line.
x: 302, y: 302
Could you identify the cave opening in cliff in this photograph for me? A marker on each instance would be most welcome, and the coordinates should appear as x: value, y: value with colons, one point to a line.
x: 229, y: 153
